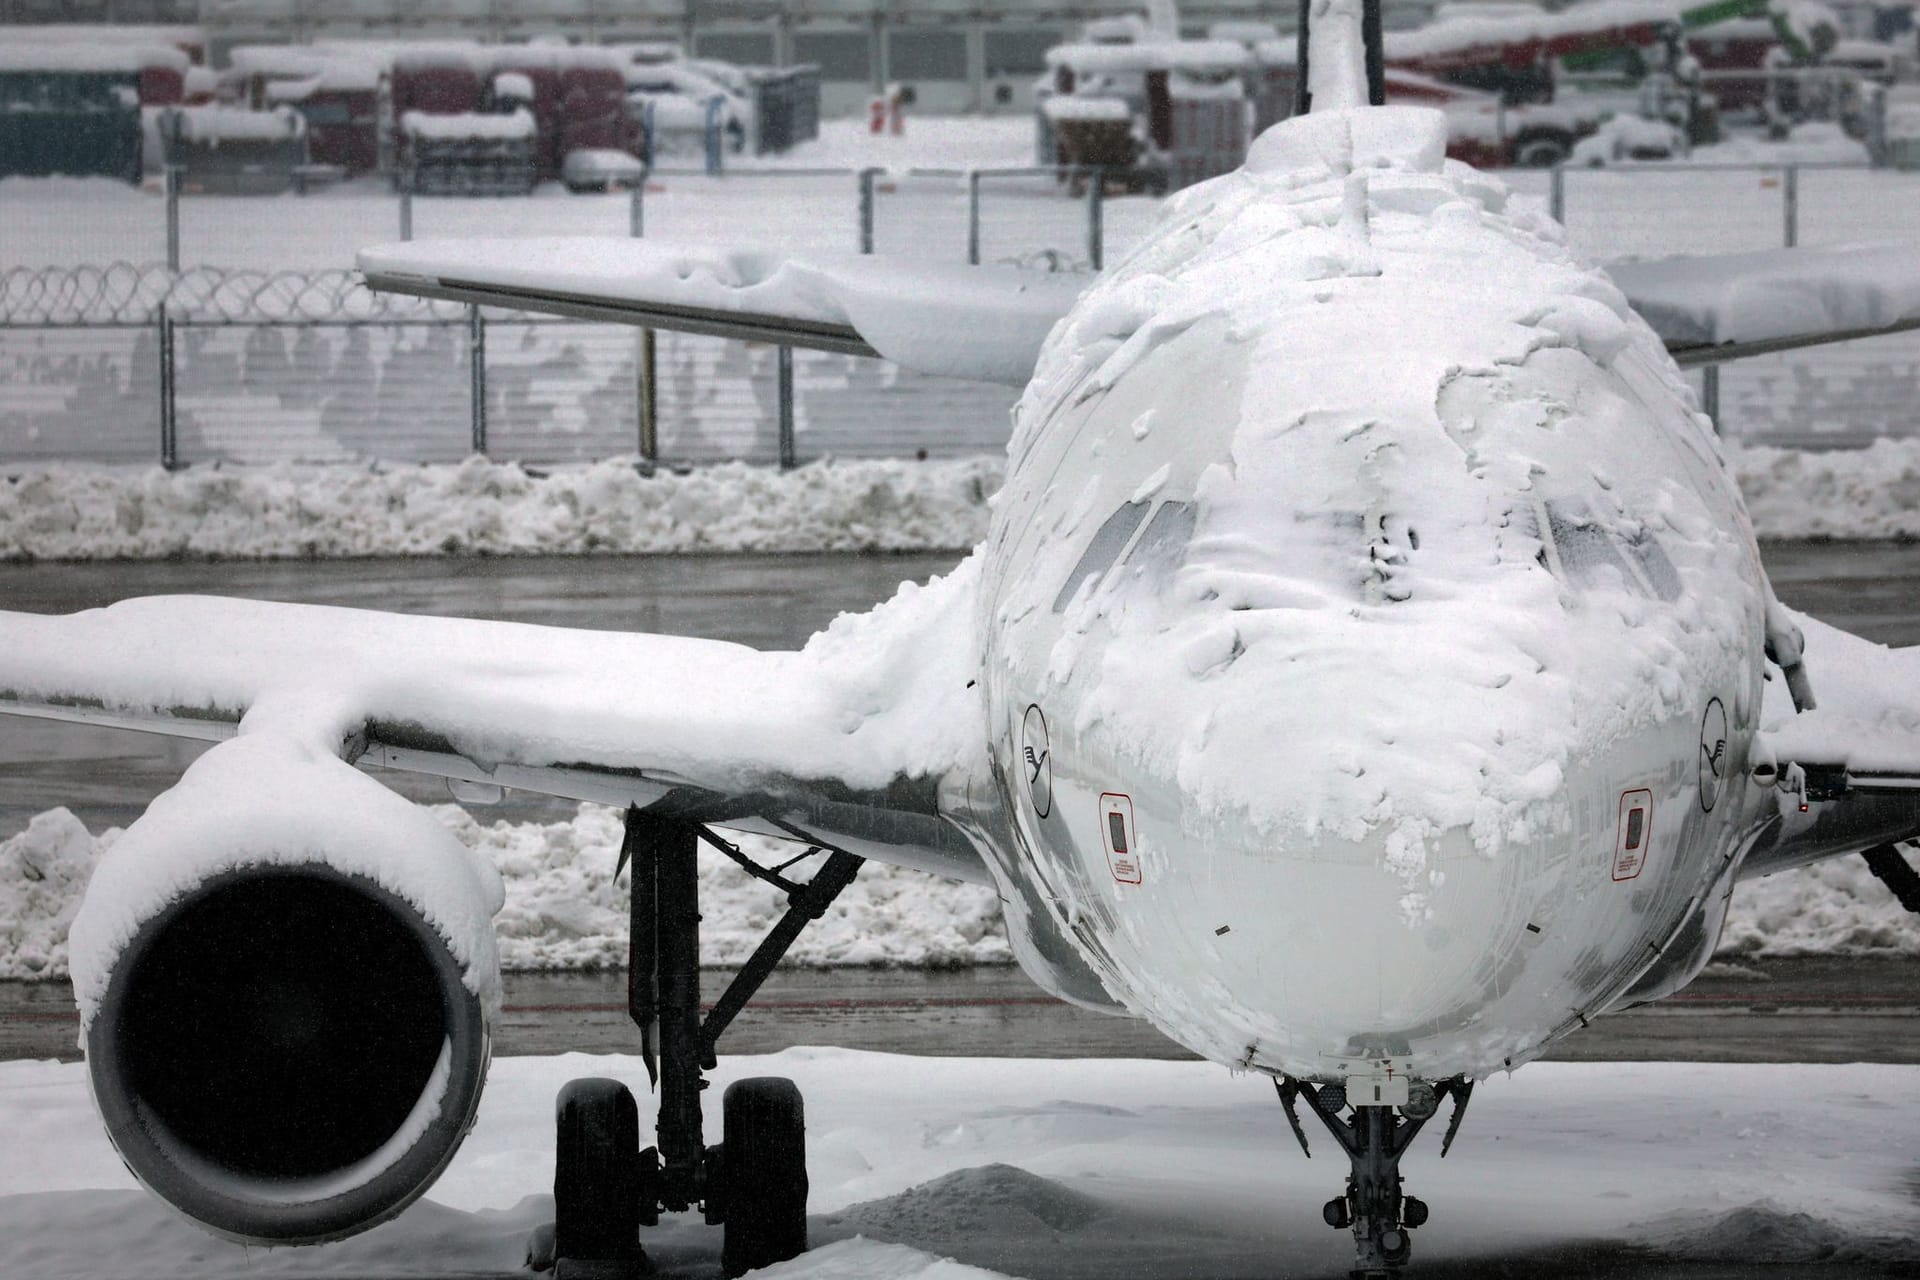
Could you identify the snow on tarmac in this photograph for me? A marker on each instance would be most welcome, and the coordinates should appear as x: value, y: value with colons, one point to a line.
x: 76, y: 512
x: 1088, y: 1168
x: 564, y: 911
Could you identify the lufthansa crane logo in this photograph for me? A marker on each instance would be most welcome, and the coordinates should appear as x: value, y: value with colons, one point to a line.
x: 1713, y: 753
x: 1036, y: 759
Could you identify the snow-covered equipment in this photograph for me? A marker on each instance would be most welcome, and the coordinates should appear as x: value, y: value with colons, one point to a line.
x: 786, y: 106
x: 1276, y: 654
x: 337, y: 94
x: 235, y: 151
x: 601, y: 169
x: 1186, y: 106
x: 75, y: 108
x: 471, y: 154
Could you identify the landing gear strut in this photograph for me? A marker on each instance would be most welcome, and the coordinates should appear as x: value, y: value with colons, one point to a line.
x: 1374, y: 1138
x: 754, y: 1183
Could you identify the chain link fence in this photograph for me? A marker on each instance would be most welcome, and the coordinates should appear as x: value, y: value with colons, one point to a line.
x: 279, y: 353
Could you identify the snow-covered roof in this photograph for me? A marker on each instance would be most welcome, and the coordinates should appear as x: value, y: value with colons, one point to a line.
x: 1067, y: 106
x: 216, y: 124
x: 318, y: 72
x: 1150, y: 55
x: 420, y: 124
x: 1517, y: 24
x: 105, y: 57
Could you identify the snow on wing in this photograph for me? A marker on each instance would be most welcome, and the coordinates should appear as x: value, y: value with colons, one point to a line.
x: 1851, y: 766
x: 1714, y: 307
x: 981, y: 323
x: 868, y: 716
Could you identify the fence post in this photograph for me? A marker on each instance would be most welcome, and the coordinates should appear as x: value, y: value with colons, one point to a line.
x: 1790, y: 199
x: 637, y: 207
x: 649, y: 406
x: 973, y: 217
x: 784, y: 394
x: 169, y: 430
x: 406, y: 203
x: 1710, y: 394
x: 1557, y: 195
x: 713, y: 134
x: 477, y: 368
x: 1096, y: 231
x: 171, y: 185
x: 866, y: 209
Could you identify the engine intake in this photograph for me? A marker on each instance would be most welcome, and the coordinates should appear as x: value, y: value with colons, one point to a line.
x: 287, y: 1053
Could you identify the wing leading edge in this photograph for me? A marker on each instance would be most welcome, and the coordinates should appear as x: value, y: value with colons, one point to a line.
x: 844, y: 741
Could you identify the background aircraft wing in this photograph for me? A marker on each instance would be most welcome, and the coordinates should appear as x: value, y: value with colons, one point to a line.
x: 1849, y: 769
x: 1709, y: 308
x: 845, y: 740
x: 981, y: 323
x: 987, y: 323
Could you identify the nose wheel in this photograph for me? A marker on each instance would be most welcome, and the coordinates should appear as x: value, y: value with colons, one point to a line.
x: 1374, y: 1207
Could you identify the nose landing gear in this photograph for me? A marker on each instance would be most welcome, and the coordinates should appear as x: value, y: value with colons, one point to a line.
x: 1374, y: 1138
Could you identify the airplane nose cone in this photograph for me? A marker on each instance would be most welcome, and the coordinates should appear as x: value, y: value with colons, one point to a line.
x: 1319, y: 951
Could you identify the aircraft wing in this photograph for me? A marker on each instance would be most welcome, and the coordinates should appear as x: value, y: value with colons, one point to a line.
x: 844, y: 741
x: 1714, y: 307
x: 1849, y: 770
x: 985, y: 324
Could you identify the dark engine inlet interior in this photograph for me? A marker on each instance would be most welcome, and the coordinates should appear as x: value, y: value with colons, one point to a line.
x: 273, y: 1028
x: 282, y: 1025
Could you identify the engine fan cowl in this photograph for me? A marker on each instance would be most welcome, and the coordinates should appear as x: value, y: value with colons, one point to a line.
x: 287, y: 1053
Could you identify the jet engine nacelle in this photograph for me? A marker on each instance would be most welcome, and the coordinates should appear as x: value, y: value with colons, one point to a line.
x: 286, y: 993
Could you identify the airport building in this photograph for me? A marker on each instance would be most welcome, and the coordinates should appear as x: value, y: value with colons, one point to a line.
x: 951, y: 55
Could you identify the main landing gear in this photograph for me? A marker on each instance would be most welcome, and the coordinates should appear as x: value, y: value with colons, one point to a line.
x: 1374, y: 1138
x: 754, y: 1183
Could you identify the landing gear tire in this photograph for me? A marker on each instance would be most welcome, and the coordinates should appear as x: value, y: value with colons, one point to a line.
x: 596, y: 1173
x: 763, y: 1174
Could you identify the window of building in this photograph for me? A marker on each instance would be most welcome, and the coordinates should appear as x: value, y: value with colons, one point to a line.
x: 926, y: 55
x: 840, y: 55
x: 1019, y: 51
x: 742, y: 48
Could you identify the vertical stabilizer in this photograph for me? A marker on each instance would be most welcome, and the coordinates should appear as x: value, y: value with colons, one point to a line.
x: 1341, y: 63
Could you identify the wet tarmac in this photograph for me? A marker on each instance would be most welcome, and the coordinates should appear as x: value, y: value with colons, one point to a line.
x: 1815, y: 1009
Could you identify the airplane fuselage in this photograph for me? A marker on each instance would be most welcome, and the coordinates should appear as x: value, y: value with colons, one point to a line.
x: 1373, y: 636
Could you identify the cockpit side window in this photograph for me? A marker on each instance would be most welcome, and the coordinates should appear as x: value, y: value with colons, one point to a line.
x: 1586, y: 551
x: 1164, y: 543
x: 1579, y: 547
x: 1108, y: 541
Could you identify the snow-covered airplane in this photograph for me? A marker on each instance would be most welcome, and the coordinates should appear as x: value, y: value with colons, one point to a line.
x: 1369, y: 678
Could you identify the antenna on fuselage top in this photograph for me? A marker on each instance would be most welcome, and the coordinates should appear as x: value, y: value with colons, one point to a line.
x: 1372, y: 41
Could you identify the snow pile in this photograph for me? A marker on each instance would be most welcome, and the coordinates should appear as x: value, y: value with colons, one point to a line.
x: 482, y: 507
x: 564, y: 911
x: 1628, y: 138
x: 44, y: 870
x: 1815, y: 142
x: 563, y: 908
x: 1842, y: 493
x: 488, y: 508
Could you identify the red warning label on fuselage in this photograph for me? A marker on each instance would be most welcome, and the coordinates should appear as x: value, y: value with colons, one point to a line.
x: 1116, y: 832
x: 1634, y: 837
